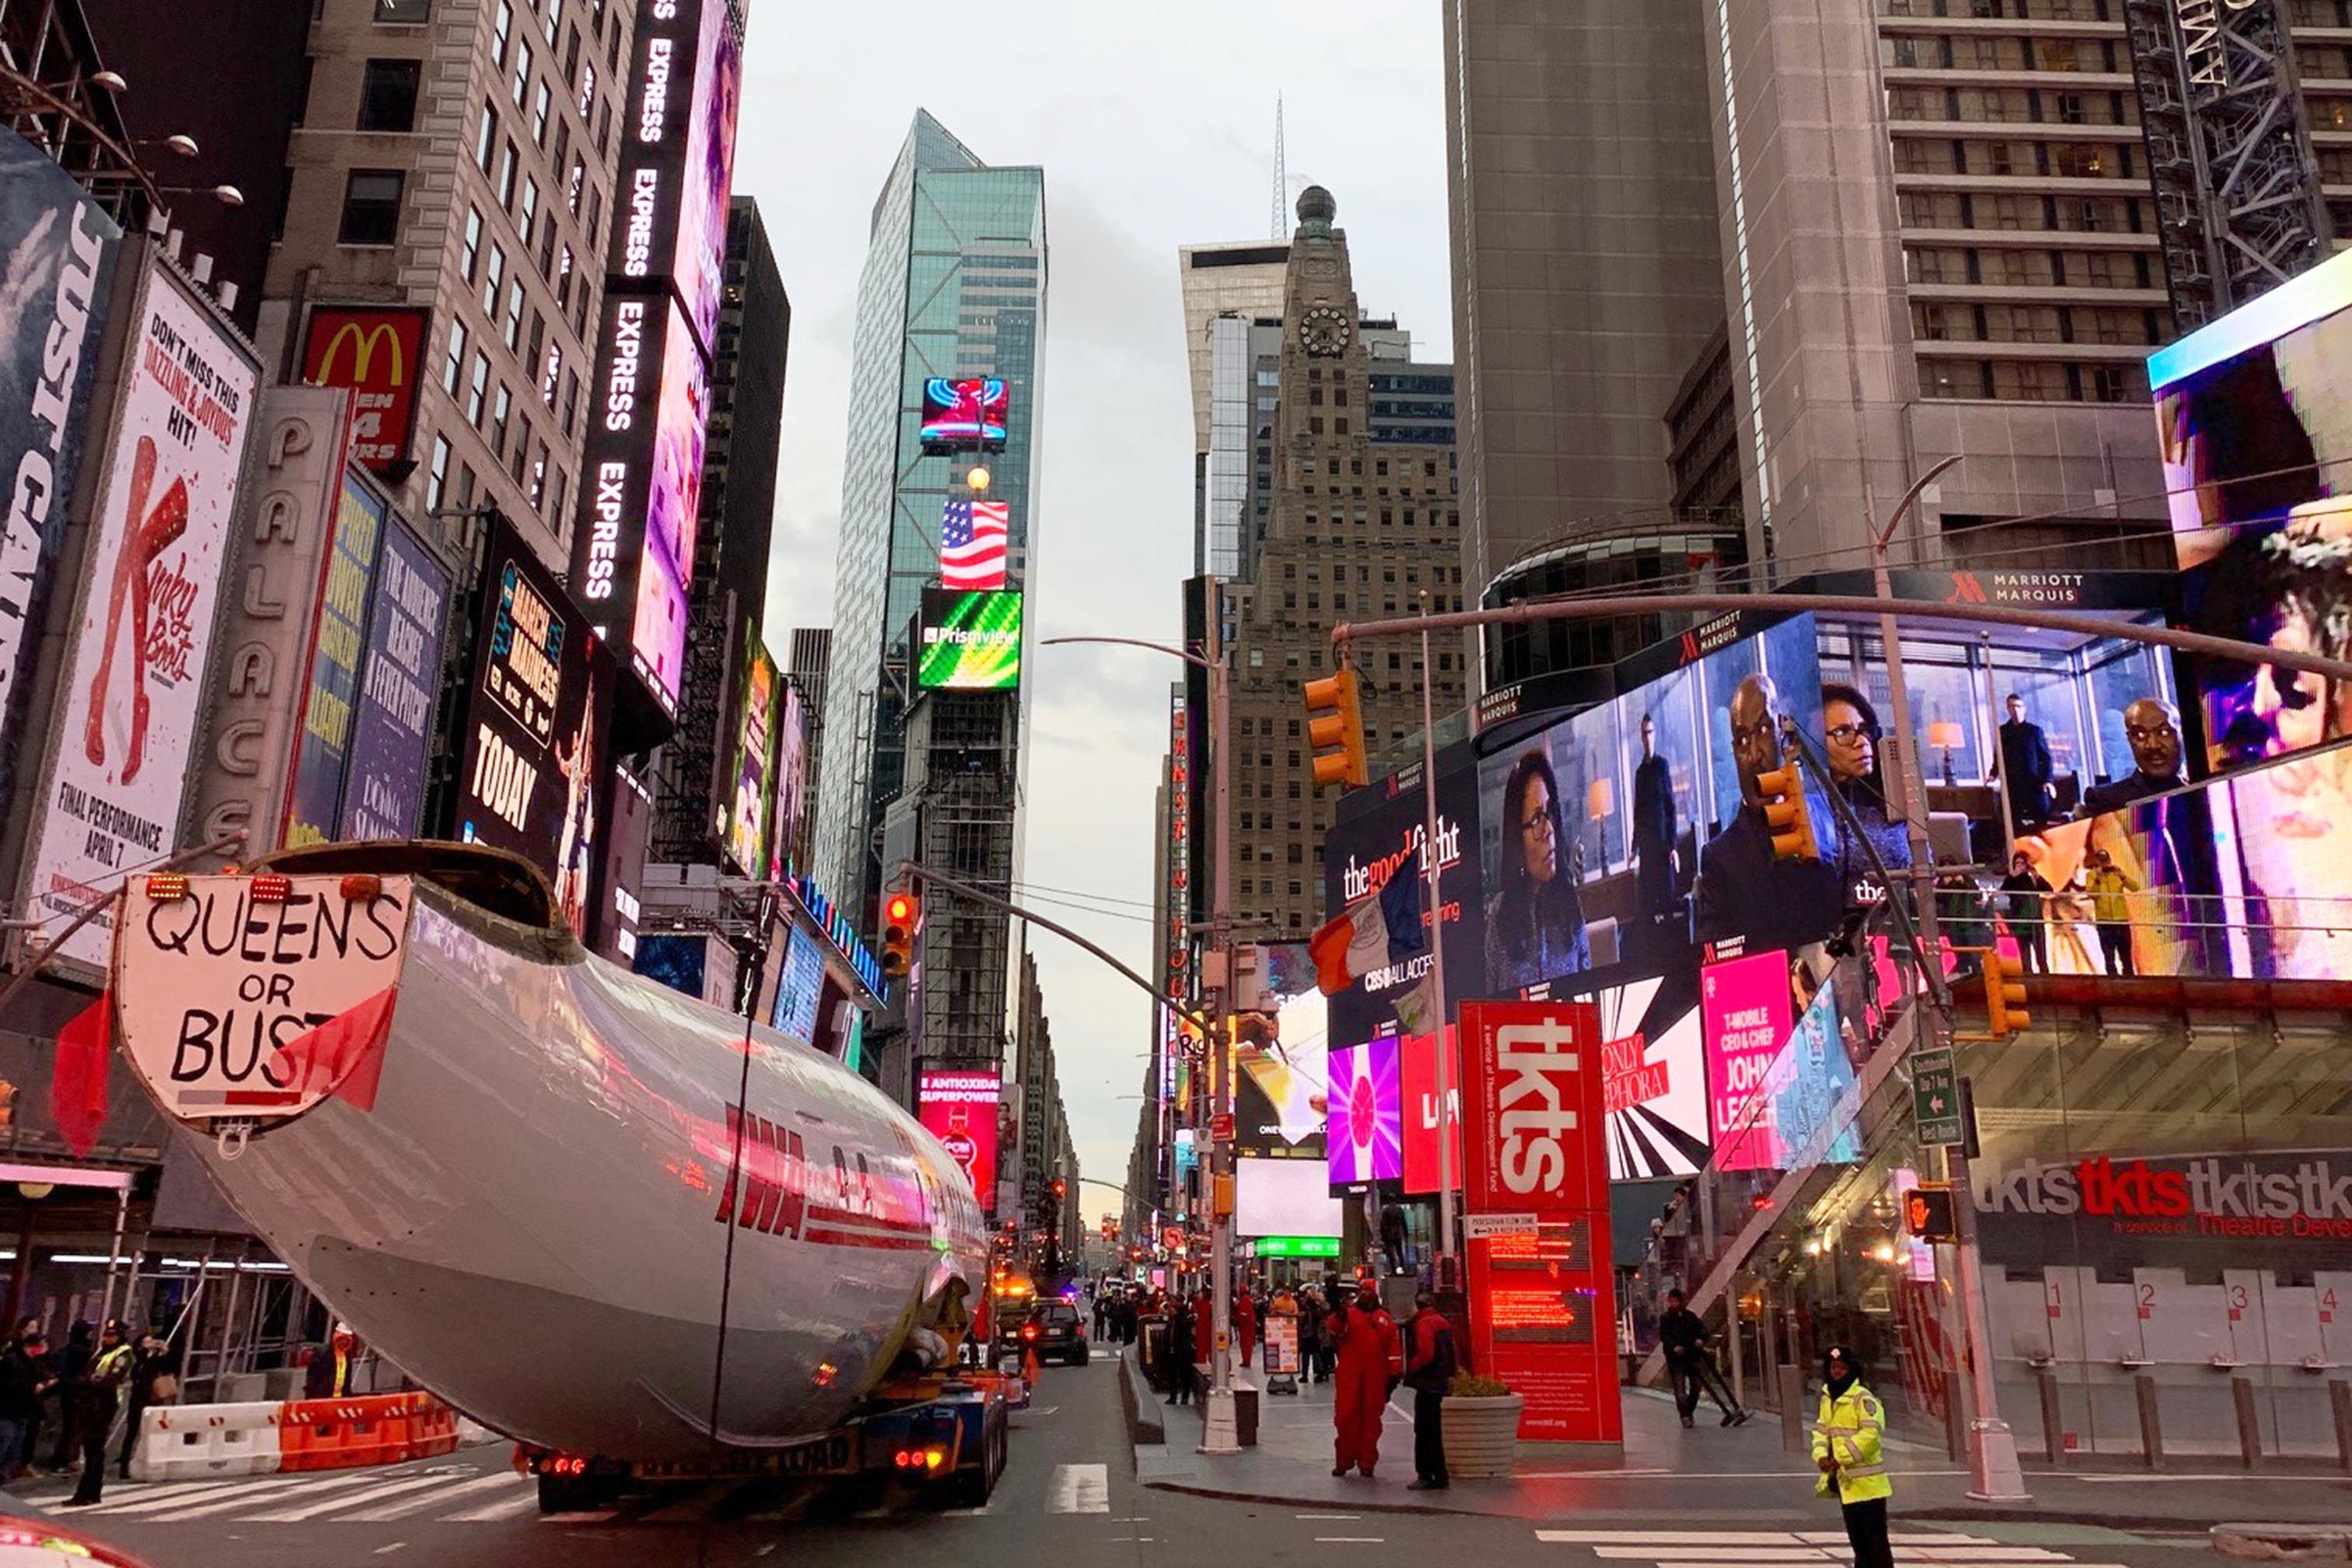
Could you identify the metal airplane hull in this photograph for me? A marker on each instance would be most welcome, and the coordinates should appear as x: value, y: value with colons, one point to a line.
x: 532, y: 1216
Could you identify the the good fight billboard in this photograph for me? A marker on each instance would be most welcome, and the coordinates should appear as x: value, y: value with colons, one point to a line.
x: 132, y: 698
x: 1543, y: 1305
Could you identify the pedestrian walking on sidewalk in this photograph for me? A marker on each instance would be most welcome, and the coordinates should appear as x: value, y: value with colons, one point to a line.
x: 94, y: 1396
x: 1690, y: 1365
x: 1850, y: 1449
x: 1367, y: 1340
x: 24, y: 1378
x: 1176, y: 1352
x: 1428, y: 1367
x: 1245, y: 1323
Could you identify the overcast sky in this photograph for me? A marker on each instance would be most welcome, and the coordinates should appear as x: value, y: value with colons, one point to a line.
x: 1154, y: 126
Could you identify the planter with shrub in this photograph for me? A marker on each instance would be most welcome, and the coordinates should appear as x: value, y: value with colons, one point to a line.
x: 1482, y: 1428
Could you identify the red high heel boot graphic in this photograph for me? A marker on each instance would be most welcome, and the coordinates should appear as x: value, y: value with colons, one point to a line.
x: 141, y: 544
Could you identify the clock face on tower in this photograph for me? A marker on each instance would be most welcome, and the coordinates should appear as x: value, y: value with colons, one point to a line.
x: 1323, y: 331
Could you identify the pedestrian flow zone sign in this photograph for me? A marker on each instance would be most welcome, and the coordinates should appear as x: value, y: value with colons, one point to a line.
x: 1936, y: 1096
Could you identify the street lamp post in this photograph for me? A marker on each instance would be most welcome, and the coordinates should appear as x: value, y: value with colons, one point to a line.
x: 1437, y: 956
x: 1220, y: 1430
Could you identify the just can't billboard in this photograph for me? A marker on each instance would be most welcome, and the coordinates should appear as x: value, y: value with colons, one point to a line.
x: 59, y: 251
x: 1542, y: 1303
x: 132, y: 697
x: 535, y: 726
x: 642, y: 482
x: 393, y: 716
x: 378, y: 354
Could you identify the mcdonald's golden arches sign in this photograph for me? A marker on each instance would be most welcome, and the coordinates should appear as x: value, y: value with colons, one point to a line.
x: 378, y: 354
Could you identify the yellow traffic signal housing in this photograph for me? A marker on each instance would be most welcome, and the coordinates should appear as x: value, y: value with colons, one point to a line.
x: 1787, y: 814
x: 1335, y: 724
x: 2004, y: 996
x: 901, y: 912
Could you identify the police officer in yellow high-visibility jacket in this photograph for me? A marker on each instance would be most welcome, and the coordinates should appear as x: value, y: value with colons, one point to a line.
x: 1850, y: 1446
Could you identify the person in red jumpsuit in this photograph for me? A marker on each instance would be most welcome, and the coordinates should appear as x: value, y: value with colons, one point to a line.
x: 1204, y: 1327
x: 1367, y: 1340
x: 1245, y: 1323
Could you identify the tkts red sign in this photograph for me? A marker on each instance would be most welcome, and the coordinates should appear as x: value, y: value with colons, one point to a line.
x: 1532, y: 1111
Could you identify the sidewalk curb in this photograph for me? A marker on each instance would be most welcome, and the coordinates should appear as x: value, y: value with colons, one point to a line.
x: 2130, y: 1524
x: 1145, y: 1423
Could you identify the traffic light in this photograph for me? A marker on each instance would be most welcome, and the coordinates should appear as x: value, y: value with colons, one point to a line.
x: 1061, y: 1188
x: 901, y: 912
x: 1787, y: 814
x: 1928, y: 1214
x: 2004, y: 996
x: 1335, y: 724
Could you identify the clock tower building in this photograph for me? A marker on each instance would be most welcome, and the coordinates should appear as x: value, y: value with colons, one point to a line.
x: 1363, y: 520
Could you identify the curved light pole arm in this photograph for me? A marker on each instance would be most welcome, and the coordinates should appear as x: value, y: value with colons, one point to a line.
x: 1171, y: 649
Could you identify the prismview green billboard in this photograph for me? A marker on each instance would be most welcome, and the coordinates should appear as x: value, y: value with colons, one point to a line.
x: 969, y: 640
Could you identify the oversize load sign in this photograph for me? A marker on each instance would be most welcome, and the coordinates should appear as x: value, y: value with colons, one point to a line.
x: 221, y: 1000
x: 1541, y: 1300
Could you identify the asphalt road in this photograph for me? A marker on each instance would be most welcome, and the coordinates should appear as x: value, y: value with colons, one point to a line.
x: 1068, y: 1500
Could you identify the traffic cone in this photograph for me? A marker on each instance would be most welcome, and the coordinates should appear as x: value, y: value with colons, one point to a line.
x: 1030, y: 1370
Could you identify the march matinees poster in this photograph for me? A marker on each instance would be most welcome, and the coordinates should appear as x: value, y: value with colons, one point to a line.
x: 128, y: 713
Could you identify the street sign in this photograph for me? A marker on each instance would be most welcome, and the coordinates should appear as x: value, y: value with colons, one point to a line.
x: 1929, y: 1216
x: 1485, y: 1227
x: 1936, y: 1096
x: 1220, y: 1125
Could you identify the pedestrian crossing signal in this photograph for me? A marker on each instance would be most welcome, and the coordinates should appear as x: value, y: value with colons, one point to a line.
x: 1928, y: 1214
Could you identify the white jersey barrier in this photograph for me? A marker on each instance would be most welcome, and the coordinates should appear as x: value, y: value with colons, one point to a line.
x: 185, y: 1442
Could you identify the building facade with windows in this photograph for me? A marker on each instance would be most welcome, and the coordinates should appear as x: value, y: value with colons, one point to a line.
x: 1358, y: 527
x: 953, y: 284
x: 454, y: 157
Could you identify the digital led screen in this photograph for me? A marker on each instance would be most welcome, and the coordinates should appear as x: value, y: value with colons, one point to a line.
x: 969, y: 641
x: 1365, y: 851
x: 535, y: 726
x: 678, y: 155
x: 1365, y: 1134
x: 633, y: 558
x: 959, y: 1107
x: 2254, y: 417
x: 1422, y: 1118
x: 744, y: 810
x: 964, y: 414
x: 792, y: 790
x: 1744, y: 1009
x: 798, y: 984
x: 1278, y: 1101
x: 1283, y: 1198
x: 322, y: 748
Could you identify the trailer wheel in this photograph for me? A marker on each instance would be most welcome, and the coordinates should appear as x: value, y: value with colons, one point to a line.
x: 973, y: 1487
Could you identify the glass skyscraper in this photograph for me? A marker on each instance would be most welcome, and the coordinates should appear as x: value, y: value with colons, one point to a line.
x: 953, y: 284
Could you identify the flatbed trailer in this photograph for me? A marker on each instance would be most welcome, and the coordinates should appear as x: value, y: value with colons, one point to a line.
x: 939, y: 1439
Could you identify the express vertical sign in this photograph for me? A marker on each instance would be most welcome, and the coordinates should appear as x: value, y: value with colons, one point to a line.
x: 1543, y: 1306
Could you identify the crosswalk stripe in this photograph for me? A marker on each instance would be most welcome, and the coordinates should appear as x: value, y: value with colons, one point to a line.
x: 1080, y: 1489
x: 221, y: 1494
x: 141, y: 1491
x: 443, y: 1498
x: 503, y: 1508
x: 310, y: 1510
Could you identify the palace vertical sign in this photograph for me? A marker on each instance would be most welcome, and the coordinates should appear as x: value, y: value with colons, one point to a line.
x: 1542, y: 1307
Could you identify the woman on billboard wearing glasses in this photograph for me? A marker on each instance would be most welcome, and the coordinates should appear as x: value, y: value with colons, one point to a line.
x: 1536, y: 922
x: 1853, y: 730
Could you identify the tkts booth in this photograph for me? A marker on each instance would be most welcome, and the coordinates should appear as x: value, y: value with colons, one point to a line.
x: 1535, y: 1187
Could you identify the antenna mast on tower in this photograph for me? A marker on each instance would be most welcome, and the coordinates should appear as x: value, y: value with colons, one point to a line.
x: 1282, y: 178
